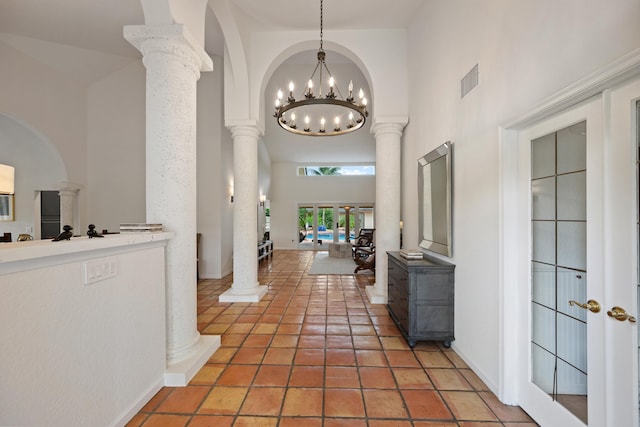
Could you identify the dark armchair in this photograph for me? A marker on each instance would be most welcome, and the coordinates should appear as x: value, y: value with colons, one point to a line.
x: 363, y: 240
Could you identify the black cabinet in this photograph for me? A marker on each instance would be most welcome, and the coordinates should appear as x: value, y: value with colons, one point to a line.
x: 420, y: 299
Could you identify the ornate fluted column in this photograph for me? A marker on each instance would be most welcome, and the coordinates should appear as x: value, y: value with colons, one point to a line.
x: 173, y: 61
x: 387, y: 213
x: 245, y: 287
x: 68, y: 203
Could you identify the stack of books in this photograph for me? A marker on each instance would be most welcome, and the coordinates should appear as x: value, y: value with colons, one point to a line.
x: 411, y: 253
x: 140, y: 228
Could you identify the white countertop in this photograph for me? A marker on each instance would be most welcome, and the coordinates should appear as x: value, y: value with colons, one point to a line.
x: 37, y: 249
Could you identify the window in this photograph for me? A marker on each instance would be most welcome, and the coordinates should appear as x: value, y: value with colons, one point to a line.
x: 348, y: 170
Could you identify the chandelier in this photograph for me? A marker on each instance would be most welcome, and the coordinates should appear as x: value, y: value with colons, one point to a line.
x: 345, y: 115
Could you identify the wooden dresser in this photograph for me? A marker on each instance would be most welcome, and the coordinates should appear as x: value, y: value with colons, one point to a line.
x: 421, y: 296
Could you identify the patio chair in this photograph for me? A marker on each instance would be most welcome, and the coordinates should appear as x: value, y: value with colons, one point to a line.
x: 363, y: 240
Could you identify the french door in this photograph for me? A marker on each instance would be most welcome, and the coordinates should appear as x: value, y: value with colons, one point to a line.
x: 320, y: 223
x: 578, y: 264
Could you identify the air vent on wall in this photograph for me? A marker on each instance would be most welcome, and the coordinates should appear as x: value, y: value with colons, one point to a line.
x: 469, y: 81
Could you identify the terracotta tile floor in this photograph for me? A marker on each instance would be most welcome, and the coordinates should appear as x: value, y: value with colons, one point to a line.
x: 315, y: 353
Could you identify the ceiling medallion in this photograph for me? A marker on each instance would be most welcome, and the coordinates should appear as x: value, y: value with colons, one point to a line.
x: 346, y: 114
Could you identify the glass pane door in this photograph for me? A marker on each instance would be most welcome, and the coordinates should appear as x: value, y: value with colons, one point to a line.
x: 305, y: 227
x: 559, y: 275
x: 325, y: 224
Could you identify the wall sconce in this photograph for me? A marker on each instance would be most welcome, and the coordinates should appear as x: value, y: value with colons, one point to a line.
x: 231, y: 198
x: 7, y: 179
x: 263, y: 198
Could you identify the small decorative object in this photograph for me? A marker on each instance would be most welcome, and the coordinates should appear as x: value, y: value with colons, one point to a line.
x: 91, y: 232
x: 65, y: 235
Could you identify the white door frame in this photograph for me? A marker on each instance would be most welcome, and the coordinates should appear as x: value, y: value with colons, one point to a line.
x: 511, y: 362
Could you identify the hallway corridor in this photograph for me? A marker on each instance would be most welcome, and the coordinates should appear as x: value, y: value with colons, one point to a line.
x: 315, y: 353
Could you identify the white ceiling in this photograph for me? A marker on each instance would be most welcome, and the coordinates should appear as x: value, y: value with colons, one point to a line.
x: 91, y: 30
x: 338, y: 14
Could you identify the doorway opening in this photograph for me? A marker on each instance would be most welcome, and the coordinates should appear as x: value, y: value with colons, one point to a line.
x: 49, y: 210
x: 322, y: 223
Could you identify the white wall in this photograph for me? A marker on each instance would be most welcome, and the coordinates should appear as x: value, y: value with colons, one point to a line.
x: 116, y: 149
x: 526, y: 51
x: 264, y: 184
x: 51, y: 104
x: 288, y: 190
x: 76, y: 354
x: 215, y: 164
x: 226, y: 227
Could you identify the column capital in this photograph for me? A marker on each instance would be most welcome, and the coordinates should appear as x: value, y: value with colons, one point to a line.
x: 386, y: 125
x: 249, y: 129
x: 69, y: 187
x: 168, y: 39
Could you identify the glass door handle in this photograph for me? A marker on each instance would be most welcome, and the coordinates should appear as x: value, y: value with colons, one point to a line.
x: 620, y: 314
x: 591, y: 305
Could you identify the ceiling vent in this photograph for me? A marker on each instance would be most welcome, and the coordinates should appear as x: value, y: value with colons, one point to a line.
x: 469, y: 81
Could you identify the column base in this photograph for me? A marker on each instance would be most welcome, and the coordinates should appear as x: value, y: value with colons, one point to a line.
x: 375, y: 296
x: 254, y: 295
x: 178, y: 374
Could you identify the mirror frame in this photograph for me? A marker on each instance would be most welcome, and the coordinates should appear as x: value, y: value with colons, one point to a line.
x: 425, y: 200
x: 7, y: 208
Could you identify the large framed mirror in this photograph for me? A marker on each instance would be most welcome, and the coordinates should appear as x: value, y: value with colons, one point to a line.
x: 435, y: 191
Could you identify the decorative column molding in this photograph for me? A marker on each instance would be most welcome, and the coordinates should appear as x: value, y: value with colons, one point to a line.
x: 245, y: 287
x: 169, y: 40
x: 387, y: 213
x: 68, y: 193
x: 173, y: 62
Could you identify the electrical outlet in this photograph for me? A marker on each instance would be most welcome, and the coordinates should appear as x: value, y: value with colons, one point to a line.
x: 99, y: 269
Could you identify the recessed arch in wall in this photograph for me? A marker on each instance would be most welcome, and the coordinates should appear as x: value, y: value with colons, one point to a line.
x: 38, y: 166
x: 304, y: 53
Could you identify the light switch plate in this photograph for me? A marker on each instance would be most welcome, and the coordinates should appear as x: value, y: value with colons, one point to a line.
x: 99, y: 269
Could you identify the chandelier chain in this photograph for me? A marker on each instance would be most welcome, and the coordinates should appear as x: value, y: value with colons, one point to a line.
x: 321, y: 23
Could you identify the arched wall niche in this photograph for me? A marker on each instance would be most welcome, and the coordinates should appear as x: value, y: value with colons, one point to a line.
x: 309, y: 47
x: 252, y: 57
x: 38, y: 166
x: 381, y: 56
